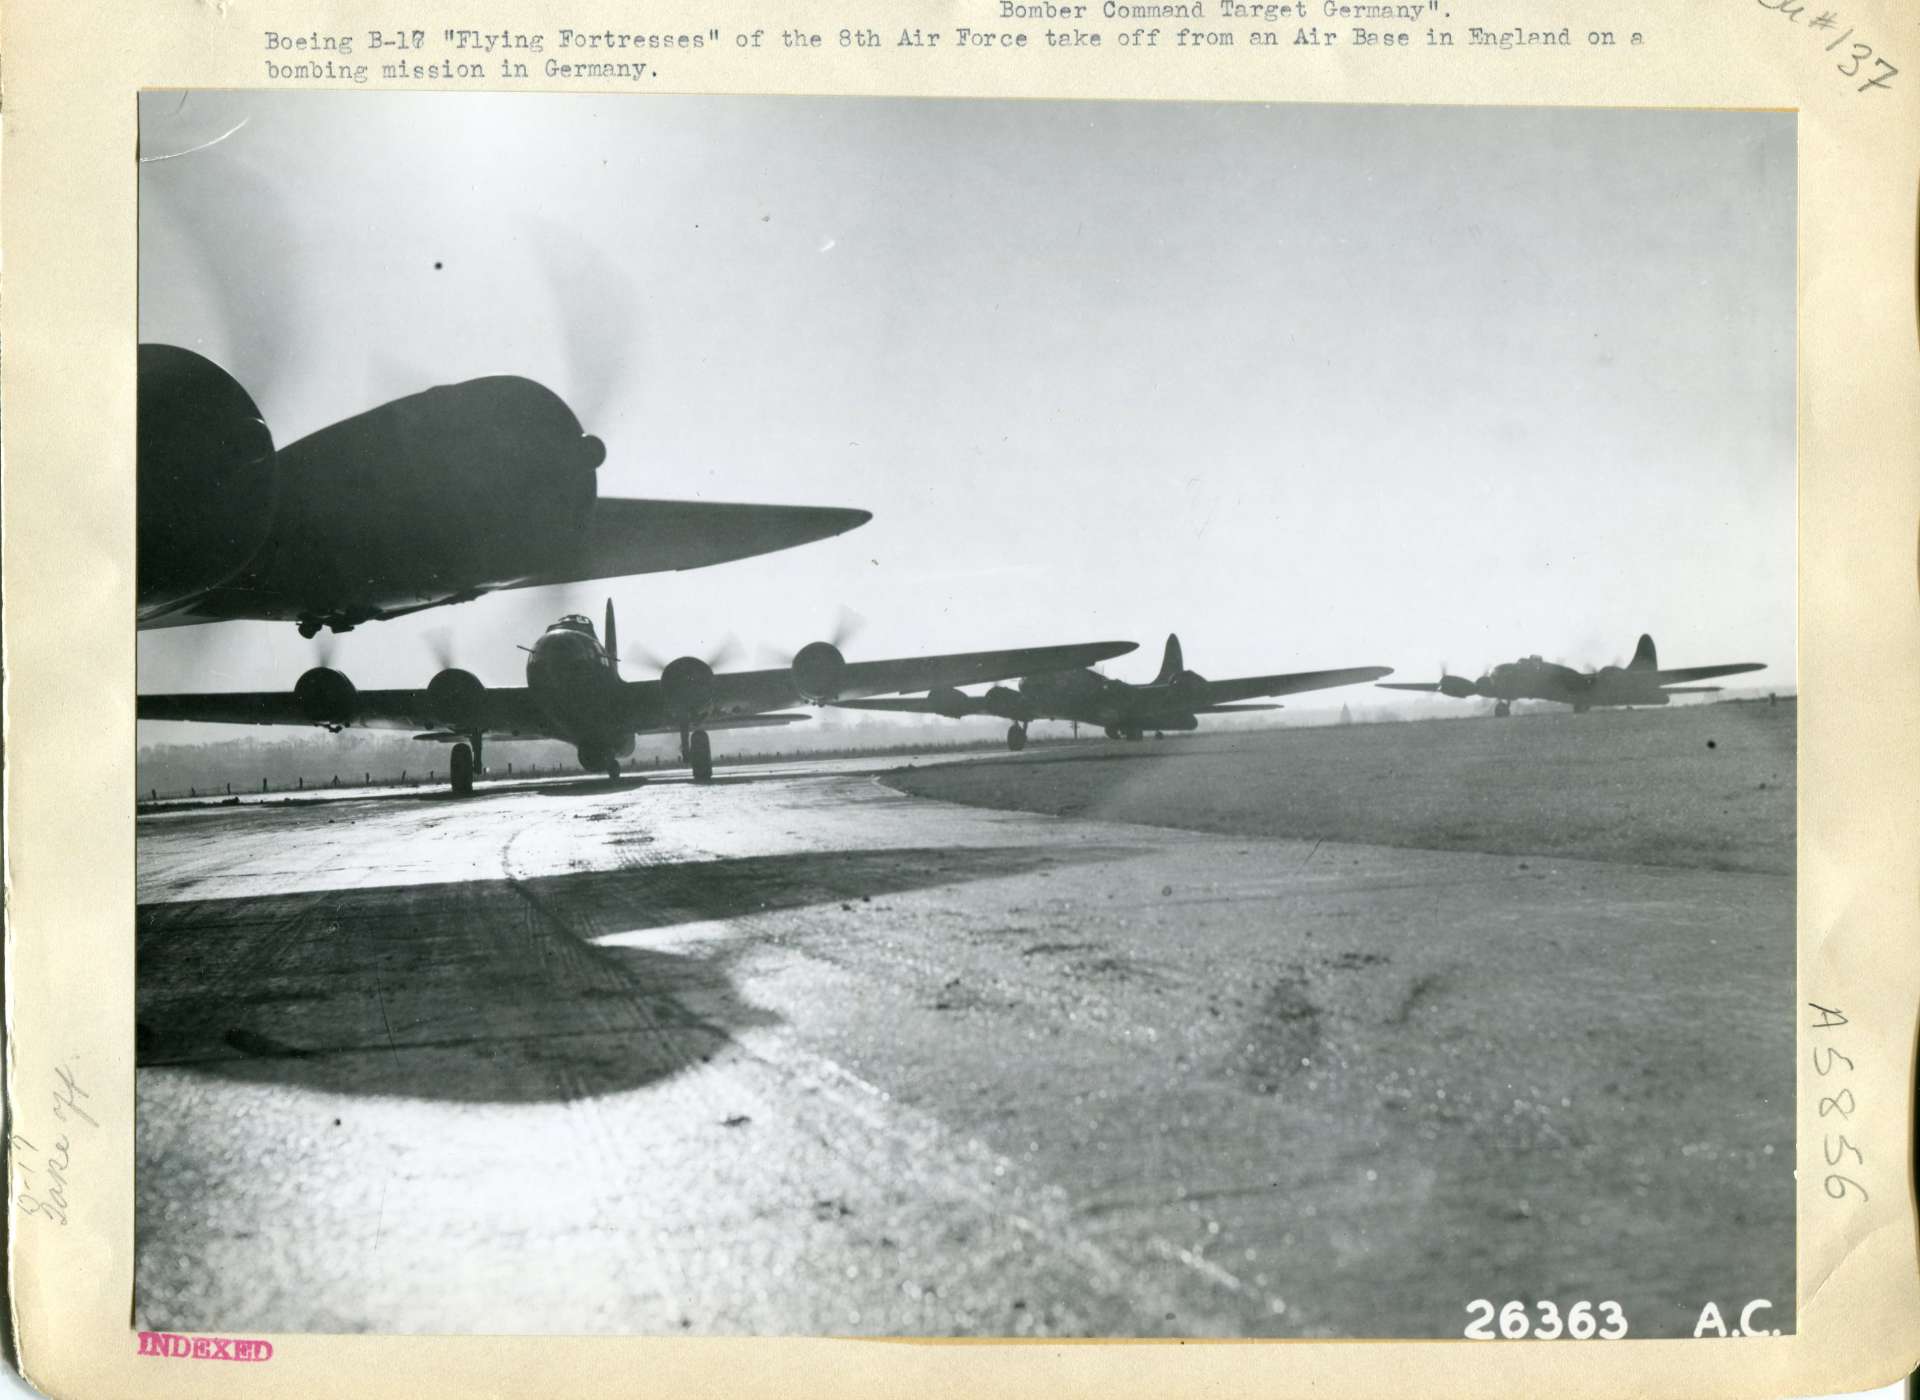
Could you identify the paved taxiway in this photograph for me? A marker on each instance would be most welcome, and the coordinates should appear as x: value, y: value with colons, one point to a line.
x: 797, y: 1053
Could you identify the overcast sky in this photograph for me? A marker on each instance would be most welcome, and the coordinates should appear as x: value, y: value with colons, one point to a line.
x: 1313, y: 386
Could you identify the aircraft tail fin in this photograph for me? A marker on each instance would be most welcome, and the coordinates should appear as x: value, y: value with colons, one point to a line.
x: 1644, y: 656
x: 1171, y: 664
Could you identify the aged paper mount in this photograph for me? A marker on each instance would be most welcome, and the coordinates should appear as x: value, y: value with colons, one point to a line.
x: 71, y: 78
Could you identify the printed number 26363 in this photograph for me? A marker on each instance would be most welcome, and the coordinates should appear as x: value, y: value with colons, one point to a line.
x: 1545, y: 1322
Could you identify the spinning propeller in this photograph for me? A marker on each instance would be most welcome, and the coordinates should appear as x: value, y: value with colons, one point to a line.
x: 818, y: 666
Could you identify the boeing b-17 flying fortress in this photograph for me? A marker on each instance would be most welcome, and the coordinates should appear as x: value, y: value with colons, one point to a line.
x: 445, y: 495
x: 1172, y: 701
x: 1639, y: 682
x: 513, y: 958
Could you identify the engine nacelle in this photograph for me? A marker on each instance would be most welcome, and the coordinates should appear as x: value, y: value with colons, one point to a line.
x: 209, y: 481
x: 1459, y: 687
x: 947, y: 701
x: 687, y: 686
x: 818, y: 670
x: 325, y: 696
x: 457, y: 699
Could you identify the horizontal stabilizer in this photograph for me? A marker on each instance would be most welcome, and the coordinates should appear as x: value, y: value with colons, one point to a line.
x: 753, y: 721
x: 627, y: 536
x: 919, y: 706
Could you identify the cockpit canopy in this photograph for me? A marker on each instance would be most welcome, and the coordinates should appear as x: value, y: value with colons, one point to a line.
x: 573, y: 622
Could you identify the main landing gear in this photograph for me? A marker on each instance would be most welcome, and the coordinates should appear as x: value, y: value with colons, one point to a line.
x: 697, y: 749
x: 1016, y: 737
x: 1502, y: 709
x: 462, y: 765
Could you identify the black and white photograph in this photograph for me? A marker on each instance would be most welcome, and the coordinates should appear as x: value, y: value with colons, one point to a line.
x: 844, y: 716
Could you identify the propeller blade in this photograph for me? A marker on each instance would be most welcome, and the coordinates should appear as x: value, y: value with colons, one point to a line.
x: 848, y: 625
x: 589, y: 291
x: 245, y: 313
x: 610, y: 639
x: 716, y: 659
x: 439, y: 641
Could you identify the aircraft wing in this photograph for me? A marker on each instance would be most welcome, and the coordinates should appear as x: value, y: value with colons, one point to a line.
x: 752, y: 692
x: 1702, y: 673
x: 1234, y: 709
x: 627, y: 536
x: 865, y: 678
x: 507, y: 712
x: 1247, y: 687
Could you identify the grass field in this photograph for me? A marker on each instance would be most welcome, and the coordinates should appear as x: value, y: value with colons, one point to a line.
x: 1706, y: 787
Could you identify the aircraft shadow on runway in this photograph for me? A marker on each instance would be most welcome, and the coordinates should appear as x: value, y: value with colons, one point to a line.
x: 492, y: 990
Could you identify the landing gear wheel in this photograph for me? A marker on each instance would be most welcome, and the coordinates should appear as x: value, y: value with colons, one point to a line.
x: 700, y: 756
x: 1112, y: 732
x: 1134, y: 735
x: 1016, y: 737
x: 613, y: 770
x: 1502, y: 710
x: 460, y: 771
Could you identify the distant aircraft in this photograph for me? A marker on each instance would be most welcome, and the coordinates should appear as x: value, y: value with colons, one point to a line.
x: 435, y: 498
x: 1172, y: 700
x: 574, y: 693
x: 1639, y: 682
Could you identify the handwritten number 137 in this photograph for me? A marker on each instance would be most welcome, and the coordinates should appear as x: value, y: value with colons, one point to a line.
x: 1859, y: 54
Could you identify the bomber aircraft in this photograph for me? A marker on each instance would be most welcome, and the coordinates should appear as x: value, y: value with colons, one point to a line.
x: 434, y: 498
x: 574, y: 693
x: 1173, y: 700
x: 1639, y: 682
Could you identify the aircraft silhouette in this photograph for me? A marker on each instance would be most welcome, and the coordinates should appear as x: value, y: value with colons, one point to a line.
x: 574, y: 693
x: 1639, y: 682
x: 1173, y: 700
x: 431, y: 499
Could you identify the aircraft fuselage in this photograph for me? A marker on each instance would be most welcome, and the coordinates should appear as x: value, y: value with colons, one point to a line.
x: 1090, y: 698
x: 1534, y: 679
x: 432, y: 498
x: 580, y: 696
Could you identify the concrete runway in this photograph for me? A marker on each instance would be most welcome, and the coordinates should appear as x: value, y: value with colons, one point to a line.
x: 796, y: 1053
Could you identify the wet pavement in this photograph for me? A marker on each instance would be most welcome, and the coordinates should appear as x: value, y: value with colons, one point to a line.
x: 796, y: 1053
